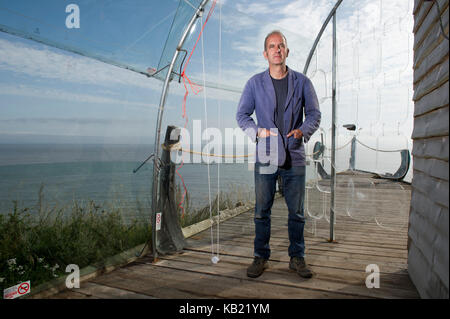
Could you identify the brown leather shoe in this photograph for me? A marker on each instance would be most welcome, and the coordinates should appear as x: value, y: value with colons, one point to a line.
x: 257, y: 267
x: 299, y: 265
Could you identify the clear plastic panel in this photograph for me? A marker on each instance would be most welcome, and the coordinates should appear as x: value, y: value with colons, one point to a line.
x: 119, y: 33
x: 358, y: 194
x: 73, y: 130
x: 184, y: 13
x: 393, y: 217
x: 115, y: 113
x: 393, y: 158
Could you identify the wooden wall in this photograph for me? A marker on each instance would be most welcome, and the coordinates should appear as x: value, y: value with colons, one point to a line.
x: 428, y: 233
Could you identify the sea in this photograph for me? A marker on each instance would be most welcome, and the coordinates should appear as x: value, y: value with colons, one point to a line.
x: 58, y: 176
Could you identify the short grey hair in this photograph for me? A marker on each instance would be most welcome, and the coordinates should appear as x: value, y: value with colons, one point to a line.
x: 272, y: 33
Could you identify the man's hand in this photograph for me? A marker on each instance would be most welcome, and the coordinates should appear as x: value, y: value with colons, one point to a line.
x: 297, y: 134
x: 263, y: 132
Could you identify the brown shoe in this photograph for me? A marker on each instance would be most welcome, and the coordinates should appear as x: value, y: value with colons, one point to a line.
x: 257, y: 267
x: 299, y: 265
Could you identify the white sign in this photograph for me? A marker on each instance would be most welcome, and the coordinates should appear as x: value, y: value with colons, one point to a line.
x: 158, y: 221
x: 17, y: 290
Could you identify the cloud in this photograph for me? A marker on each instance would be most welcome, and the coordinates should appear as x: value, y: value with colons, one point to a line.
x: 47, y: 63
x: 255, y: 8
x: 65, y: 95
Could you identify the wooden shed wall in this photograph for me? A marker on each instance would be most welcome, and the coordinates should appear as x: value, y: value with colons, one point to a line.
x: 428, y: 232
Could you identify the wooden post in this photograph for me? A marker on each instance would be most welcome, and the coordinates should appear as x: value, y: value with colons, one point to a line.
x: 170, y: 237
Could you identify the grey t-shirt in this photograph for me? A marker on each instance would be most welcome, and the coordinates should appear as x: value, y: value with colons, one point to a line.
x: 281, y: 91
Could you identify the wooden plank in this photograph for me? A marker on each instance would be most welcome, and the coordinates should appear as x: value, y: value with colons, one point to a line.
x: 432, y: 167
x: 431, y: 124
x: 340, y: 260
x: 437, y: 215
x: 316, y: 241
x: 417, y: 6
x: 339, y: 267
x: 433, y: 100
x: 91, y: 290
x: 247, y: 250
x: 398, y: 279
x: 433, y: 147
x: 325, y: 279
x: 435, y: 57
x: 341, y: 224
x: 433, y: 80
x: 141, y: 282
x: 317, y: 245
x: 420, y: 13
x: 436, y: 189
x: 200, y: 284
x: 343, y: 230
x: 431, y: 41
x: 318, y: 260
x: 363, y: 239
x: 226, y: 233
x: 431, y: 18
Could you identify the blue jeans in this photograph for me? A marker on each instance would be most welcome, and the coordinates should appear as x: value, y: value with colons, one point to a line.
x: 294, y: 194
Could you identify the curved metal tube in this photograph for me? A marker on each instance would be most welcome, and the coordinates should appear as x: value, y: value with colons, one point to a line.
x: 324, y: 25
x: 155, y: 185
x: 332, y: 14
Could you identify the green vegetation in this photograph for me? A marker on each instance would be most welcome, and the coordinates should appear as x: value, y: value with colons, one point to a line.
x: 38, y: 243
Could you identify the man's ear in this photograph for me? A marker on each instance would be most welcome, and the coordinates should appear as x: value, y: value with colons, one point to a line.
x: 287, y: 52
x: 265, y: 54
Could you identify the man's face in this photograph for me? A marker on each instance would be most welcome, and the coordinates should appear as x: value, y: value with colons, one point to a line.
x: 276, y: 50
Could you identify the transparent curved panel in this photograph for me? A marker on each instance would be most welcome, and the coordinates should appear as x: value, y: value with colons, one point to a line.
x: 366, y: 153
x: 358, y: 192
x: 396, y: 100
x: 394, y: 218
x: 73, y: 130
x: 374, y: 74
x: 234, y: 36
x: 314, y: 207
x: 184, y: 13
x: 99, y: 29
x: 313, y: 210
x: 63, y: 157
x: 369, y: 106
x: 395, y: 152
x: 343, y: 151
x: 221, y: 73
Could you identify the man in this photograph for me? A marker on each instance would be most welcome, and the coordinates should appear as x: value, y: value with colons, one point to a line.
x: 279, y: 96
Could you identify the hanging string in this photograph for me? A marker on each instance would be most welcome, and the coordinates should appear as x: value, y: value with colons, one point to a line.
x: 207, y: 163
x: 196, y: 89
x: 219, y: 122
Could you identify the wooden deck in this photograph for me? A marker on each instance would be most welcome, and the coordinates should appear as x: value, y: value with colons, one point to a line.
x: 339, y: 268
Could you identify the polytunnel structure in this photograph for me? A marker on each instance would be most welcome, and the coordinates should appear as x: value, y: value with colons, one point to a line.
x: 121, y: 116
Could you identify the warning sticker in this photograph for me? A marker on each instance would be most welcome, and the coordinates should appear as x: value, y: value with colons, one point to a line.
x: 17, y: 290
x: 158, y: 221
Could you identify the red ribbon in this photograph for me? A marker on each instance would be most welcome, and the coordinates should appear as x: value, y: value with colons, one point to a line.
x: 196, y: 89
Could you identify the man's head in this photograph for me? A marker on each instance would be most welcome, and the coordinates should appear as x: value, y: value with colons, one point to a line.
x: 275, y: 48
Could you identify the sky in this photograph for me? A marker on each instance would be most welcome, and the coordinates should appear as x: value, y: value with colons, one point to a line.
x: 50, y: 94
